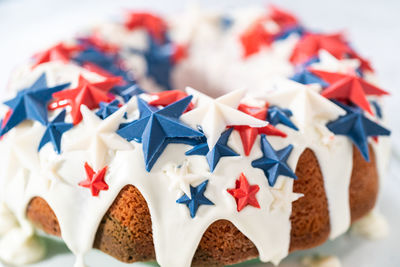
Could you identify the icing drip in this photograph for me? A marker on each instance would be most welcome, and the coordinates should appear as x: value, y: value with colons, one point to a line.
x: 18, y: 244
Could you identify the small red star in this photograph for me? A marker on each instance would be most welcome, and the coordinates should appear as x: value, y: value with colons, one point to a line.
x: 244, y: 193
x: 155, y: 25
x: 254, y: 38
x: 166, y: 98
x: 58, y: 52
x: 281, y: 17
x: 349, y: 87
x: 311, y: 43
x: 100, y: 44
x: 249, y: 134
x: 94, y: 181
x: 86, y: 93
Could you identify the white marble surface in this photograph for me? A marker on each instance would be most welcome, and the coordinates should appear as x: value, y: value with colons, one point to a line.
x: 27, y: 26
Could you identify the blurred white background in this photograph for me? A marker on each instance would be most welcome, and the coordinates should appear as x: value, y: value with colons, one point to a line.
x: 373, y: 26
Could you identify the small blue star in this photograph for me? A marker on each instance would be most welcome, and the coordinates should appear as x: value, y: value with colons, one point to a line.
x: 278, y: 115
x: 378, y: 109
x: 54, y: 131
x: 197, y: 198
x: 273, y: 162
x: 357, y: 127
x: 159, y: 62
x: 31, y: 104
x: 156, y: 128
x: 220, y: 150
x: 306, y: 77
x: 106, y: 109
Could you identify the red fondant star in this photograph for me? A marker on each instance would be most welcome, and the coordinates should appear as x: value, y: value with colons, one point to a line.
x: 254, y: 38
x: 365, y: 65
x: 180, y: 53
x: 154, y: 25
x: 94, y: 181
x: 281, y: 17
x: 58, y: 52
x: 244, y: 193
x: 166, y: 98
x: 5, y: 120
x: 349, y: 87
x: 86, y: 93
x: 249, y: 134
x: 310, y: 44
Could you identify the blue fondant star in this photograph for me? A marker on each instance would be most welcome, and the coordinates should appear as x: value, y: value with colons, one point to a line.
x: 131, y: 91
x: 309, y: 62
x: 107, y: 61
x: 357, y: 127
x: 31, y: 104
x: 159, y: 62
x: 220, y: 150
x: 299, y: 30
x: 306, y: 77
x: 278, y: 115
x: 54, y: 131
x: 273, y: 162
x: 378, y: 109
x: 197, y: 198
x: 226, y: 22
x: 97, y: 57
x: 359, y: 72
x: 156, y: 128
x: 106, y: 109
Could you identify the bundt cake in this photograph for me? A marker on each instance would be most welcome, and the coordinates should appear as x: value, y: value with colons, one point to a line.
x: 105, y: 143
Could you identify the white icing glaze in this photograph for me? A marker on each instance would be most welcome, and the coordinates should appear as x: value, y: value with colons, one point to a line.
x: 373, y: 226
x: 215, y: 64
x: 321, y: 261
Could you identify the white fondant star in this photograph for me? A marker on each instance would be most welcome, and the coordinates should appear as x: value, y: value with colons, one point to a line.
x: 20, y: 147
x: 214, y: 115
x: 307, y: 105
x: 181, y: 177
x: 332, y: 64
x: 99, y: 136
x: 283, y: 196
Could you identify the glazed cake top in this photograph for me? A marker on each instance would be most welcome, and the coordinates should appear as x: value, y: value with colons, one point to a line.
x: 90, y: 115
